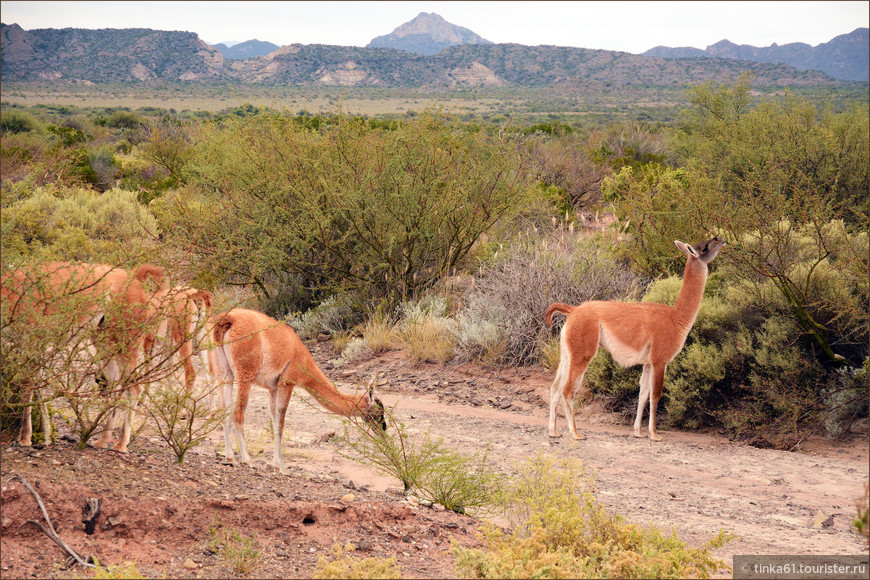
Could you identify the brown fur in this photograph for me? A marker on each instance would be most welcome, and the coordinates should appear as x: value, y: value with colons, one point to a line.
x: 634, y: 333
x: 33, y: 292
x: 252, y: 348
x: 182, y: 313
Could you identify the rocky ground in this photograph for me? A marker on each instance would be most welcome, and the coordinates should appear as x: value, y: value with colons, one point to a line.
x: 162, y: 516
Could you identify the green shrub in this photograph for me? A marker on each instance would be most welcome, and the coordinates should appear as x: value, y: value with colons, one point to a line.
x: 103, y: 167
x: 121, y: 119
x: 183, y: 418
x: 241, y: 553
x: 12, y: 122
x: 77, y: 224
x: 425, y: 466
x: 377, y: 214
x: 340, y: 564
x: 560, y: 531
x: 331, y: 316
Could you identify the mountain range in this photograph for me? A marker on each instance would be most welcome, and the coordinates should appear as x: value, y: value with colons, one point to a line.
x: 845, y: 57
x: 427, y: 51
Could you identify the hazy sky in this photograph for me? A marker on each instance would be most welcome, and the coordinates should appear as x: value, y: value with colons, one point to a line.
x: 626, y: 26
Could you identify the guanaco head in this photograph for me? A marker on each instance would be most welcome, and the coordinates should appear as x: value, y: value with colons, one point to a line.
x: 375, y: 412
x: 703, y: 251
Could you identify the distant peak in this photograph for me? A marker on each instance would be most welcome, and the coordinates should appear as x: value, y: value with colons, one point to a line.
x: 427, y: 34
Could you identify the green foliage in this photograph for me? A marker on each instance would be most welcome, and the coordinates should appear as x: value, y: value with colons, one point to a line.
x: 183, y: 418
x: 168, y: 145
x: 628, y: 145
x: 340, y: 564
x: 77, y: 224
x: 434, y: 473
x: 120, y: 119
x: 103, y: 168
x: 568, y: 171
x: 378, y: 214
x: 240, y: 552
x: 68, y: 136
x: 17, y: 122
x: 560, y: 531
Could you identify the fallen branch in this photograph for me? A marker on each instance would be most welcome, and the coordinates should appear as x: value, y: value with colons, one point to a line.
x: 49, y: 531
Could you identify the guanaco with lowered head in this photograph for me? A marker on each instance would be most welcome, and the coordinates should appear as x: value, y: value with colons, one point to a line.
x: 249, y: 348
x: 645, y: 334
x: 182, y: 313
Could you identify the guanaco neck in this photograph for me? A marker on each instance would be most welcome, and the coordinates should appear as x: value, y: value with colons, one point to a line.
x: 325, y: 393
x: 689, y: 300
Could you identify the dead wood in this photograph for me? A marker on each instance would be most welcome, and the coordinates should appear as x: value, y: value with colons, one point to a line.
x: 49, y: 531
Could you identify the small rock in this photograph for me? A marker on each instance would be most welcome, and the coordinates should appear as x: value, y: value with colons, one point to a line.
x: 190, y: 564
x: 822, y: 520
x: 348, y: 497
x: 5, y: 522
x: 364, y: 544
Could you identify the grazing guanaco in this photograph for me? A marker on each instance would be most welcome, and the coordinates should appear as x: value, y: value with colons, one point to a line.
x: 248, y: 348
x: 182, y: 313
x: 634, y: 333
x: 33, y: 292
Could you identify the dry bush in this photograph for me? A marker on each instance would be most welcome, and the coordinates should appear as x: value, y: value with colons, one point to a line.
x: 511, y: 294
x: 426, y: 331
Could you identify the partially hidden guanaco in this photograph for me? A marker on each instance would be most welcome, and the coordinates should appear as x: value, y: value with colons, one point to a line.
x: 182, y: 313
x: 30, y: 293
x: 248, y: 347
x: 645, y: 334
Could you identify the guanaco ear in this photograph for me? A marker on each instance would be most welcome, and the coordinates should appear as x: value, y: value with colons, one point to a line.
x: 686, y: 249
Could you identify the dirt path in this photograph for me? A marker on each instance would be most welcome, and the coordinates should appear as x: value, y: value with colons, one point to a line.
x: 693, y: 483
x: 696, y: 484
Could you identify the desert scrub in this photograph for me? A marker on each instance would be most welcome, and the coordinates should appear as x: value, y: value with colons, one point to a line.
x: 503, y: 317
x: 183, y: 418
x: 77, y: 224
x: 241, y: 553
x: 426, y: 330
x: 118, y: 571
x: 862, y: 520
x: 378, y: 335
x: 427, y: 467
x: 341, y: 564
x: 560, y: 531
x: 331, y: 316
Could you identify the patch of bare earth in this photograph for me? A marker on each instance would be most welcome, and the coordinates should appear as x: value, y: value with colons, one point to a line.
x: 159, y: 514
